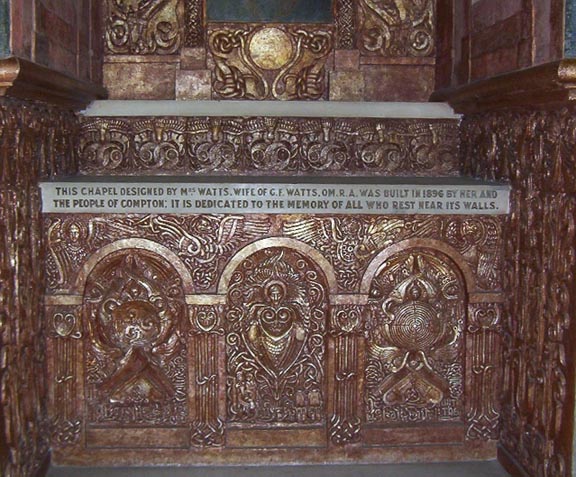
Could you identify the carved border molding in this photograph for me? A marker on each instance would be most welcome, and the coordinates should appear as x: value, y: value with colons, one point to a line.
x: 23, y: 79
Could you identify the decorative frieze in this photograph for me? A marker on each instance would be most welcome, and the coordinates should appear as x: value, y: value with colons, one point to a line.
x: 268, y: 146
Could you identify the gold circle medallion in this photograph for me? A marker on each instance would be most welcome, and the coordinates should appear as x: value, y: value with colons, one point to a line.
x: 270, y: 48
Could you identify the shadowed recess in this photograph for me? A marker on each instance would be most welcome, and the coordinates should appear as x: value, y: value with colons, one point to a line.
x: 281, y: 11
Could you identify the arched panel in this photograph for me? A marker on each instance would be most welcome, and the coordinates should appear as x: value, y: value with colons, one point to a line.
x: 275, y: 340
x: 415, y: 345
x: 135, y: 356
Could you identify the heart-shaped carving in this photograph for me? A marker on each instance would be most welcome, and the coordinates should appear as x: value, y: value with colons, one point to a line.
x: 64, y: 324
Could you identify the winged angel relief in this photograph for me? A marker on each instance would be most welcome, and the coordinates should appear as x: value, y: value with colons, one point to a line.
x: 203, y: 242
x: 414, y: 370
x: 275, y: 340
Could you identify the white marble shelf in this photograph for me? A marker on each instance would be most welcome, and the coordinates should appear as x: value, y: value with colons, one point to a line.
x: 302, y: 109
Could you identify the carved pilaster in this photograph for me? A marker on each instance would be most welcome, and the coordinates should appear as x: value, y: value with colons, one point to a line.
x: 347, y: 355
x: 194, y: 23
x: 65, y: 345
x: 345, y: 24
x: 533, y: 149
x: 484, y: 370
x: 206, y: 374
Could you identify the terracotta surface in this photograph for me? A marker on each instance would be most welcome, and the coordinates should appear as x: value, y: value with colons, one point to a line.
x: 501, y: 36
x: 37, y: 142
x: 231, y: 336
x: 532, y: 150
x: 64, y: 36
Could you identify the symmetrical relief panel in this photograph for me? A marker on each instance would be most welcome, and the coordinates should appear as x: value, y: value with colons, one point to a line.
x: 268, y: 146
x: 141, y: 27
x: 229, y: 333
x: 269, y: 62
x: 397, y: 28
x: 414, y: 366
x: 275, y: 349
x: 135, y: 360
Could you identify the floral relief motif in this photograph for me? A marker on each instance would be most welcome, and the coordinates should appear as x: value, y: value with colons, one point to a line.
x: 276, y: 323
x: 414, y: 370
x: 136, y: 357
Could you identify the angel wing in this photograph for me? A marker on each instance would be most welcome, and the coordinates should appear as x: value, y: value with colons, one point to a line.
x: 313, y: 230
x: 237, y: 229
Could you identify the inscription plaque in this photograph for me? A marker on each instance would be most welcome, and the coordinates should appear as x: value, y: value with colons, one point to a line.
x: 277, y: 196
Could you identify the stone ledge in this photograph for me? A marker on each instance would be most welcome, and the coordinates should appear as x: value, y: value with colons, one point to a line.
x: 24, y: 79
x: 314, y: 109
x: 551, y: 84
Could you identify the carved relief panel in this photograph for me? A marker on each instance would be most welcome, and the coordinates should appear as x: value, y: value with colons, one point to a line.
x: 135, y: 361
x: 275, y: 347
x: 397, y: 28
x: 414, y: 368
x: 229, y: 333
x: 269, y: 145
x: 269, y: 62
x: 143, y: 27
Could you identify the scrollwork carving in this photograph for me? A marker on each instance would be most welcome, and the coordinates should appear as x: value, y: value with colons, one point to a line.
x: 396, y: 28
x: 268, y: 145
x: 203, y: 242
x: 144, y: 27
x: 104, y: 146
x: 243, y: 67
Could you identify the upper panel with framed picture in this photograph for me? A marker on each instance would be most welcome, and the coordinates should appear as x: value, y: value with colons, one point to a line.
x: 360, y: 50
